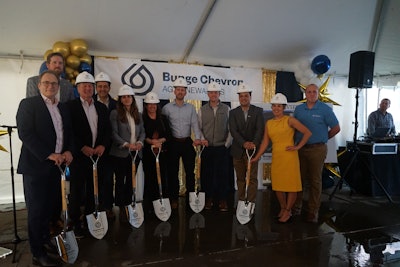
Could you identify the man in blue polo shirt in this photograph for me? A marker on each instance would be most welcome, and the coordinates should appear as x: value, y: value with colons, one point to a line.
x: 322, y: 122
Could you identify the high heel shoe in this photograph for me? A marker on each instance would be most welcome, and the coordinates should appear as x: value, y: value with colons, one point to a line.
x: 286, y: 217
x: 281, y: 212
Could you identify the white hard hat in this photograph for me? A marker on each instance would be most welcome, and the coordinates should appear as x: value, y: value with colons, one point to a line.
x: 84, y: 77
x: 279, y: 99
x: 243, y: 88
x: 151, y: 98
x: 180, y: 82
x: 125, y: 90
x: 102, y: 77
x: 214, y: 87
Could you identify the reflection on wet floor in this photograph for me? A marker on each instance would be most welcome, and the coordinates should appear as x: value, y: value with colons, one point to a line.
x: 353, y: 231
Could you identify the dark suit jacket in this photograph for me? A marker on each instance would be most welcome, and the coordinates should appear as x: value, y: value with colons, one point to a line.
x: 38, y: 136
x: 251, y: 130
x: 81, y: 128
x: 111, y: 105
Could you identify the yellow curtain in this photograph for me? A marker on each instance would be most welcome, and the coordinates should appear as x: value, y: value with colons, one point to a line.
x: 269, y: 85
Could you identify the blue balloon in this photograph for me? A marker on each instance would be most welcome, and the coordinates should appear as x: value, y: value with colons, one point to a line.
x: 43, y: 67
x: 320, y: 64
x: 85, y: 67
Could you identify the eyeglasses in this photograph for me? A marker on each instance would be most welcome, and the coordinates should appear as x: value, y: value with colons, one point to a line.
x: 47, y: 83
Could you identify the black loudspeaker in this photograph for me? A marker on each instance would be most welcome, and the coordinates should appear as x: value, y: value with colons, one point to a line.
x: 361, y: 72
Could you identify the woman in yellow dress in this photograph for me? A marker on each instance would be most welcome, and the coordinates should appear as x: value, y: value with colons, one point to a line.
x: 285, y: 166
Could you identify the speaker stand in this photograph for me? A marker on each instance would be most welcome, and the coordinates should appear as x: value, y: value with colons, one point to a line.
x: 354, y: 147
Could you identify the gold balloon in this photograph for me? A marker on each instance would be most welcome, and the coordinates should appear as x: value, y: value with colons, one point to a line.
x: 72, y: 81
x: 76, y: 73
x: 78, y: 47
x: 61, y: 47
x: 73, y: 61
x: 69, y: 70
x: 47, y: 53
x: 70, y: 76
x: 87, y: 59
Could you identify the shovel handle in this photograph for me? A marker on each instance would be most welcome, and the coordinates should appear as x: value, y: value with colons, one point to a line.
x: 64, y: 195
x: 198, y: 170
x: 95, y: 181
x: 158, y: 173
x: 133, y: 175
x: 249, y: 156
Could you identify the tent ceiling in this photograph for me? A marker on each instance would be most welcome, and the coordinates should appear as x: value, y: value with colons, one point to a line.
x: 275, y: 34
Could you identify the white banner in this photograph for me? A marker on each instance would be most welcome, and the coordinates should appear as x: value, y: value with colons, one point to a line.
x: 145, y: 76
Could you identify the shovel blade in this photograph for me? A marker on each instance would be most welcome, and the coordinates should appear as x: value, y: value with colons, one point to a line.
x: 162, y: 208
x: 244, y: 211
x: 197, y: 221
x: 136, y: 215
x: 67, y: 247
x: 197, y: 201
x: 98, y: 225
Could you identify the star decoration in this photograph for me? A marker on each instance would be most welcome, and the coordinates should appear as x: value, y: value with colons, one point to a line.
x: 1, y: 147
x: 323, y: 93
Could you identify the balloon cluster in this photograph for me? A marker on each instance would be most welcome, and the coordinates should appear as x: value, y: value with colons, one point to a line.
x: 75, y: 56
x: 307, y: 72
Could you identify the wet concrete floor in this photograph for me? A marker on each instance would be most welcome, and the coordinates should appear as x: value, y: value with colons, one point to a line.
x: 353, y: 230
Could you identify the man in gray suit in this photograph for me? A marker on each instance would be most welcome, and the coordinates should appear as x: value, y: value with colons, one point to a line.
x: 54, y: 62
x: 246, y: 124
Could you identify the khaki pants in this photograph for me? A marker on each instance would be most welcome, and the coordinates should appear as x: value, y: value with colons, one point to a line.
x: 312, y: 160
x: 240, y: 166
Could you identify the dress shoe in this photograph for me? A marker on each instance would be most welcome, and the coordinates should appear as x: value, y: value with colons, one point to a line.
x: 44, y: 261
x: 280, y: 214
x: 50, y: 248
x: 312, y: 218
x: 223, y: 206
x: 79, y: 231
x: 123, y: 215
x: 174, y: 204
x: 296, y: 211
x: 285, y: 217
x: 110, y: 214
x: 56, y: 227
x: 209, y: 204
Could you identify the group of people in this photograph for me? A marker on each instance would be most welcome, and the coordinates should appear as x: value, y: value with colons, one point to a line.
x: 58, y: 129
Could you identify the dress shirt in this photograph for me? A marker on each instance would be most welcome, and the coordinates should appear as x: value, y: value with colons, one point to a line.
x: 182, y: 119
x: 91, y: 115
x: 57, y: 122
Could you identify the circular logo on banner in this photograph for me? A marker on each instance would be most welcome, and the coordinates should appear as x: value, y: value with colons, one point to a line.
x: 139, y: 78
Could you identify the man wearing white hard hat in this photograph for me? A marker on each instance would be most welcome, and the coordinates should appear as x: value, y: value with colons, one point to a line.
x: 103, y: 87
x: 285, y: 167
x: 213, y: 121
x: 158, y: 133
x: 183, y: 120
x: 246, y: 124
x: 127, y: 137
x: 92, y: 136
